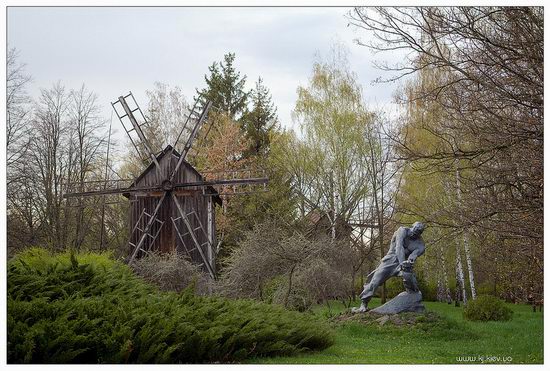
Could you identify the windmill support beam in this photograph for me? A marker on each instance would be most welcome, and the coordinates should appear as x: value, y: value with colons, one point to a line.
x: 146, y: 230
x: 193, y: 236
x: 209, y: 231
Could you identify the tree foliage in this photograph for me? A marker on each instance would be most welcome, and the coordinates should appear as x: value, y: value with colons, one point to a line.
x: 261, y: 120
x: 225, y: 87
x: 327, y: 163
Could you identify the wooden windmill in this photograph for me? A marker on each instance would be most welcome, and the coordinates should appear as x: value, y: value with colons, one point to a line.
x: 172, y: 204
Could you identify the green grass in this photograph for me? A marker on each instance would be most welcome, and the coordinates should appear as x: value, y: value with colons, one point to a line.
x: 444, y: 342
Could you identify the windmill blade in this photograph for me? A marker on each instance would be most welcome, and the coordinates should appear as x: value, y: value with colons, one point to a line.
x: 152, y: 191
x: 191, y: 139
x: 109, y: 187
x: 191, y: 232
x: 206, y: 183
x: 136, y: 127
x: 145, y: 232
x: 89, y: 202
x: 246, y: 179
x: 194, y: 114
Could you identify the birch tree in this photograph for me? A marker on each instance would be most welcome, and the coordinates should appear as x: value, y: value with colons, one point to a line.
x: 333, y: 121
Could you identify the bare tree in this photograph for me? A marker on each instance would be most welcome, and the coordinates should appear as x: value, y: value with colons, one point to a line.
x: 86, y: 131
x: 167, y: 110
x: 21, y: 208
x: 309, y: 269
x: 17, y: 112
x: 49, y: 156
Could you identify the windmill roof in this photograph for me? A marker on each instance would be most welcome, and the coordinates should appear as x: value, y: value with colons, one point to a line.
x: 160, y: 155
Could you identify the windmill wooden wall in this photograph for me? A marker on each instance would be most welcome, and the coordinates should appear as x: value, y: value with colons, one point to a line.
x: 191, y: 199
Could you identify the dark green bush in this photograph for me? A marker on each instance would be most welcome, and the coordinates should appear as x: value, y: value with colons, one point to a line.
x: 91, y: 309
x: 487, y: 308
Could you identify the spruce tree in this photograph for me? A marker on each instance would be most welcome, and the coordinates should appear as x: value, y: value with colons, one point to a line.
x: 225, y: 87
x: 260, y: 120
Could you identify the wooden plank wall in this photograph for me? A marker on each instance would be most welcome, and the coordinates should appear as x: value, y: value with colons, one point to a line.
x: 190, y: 200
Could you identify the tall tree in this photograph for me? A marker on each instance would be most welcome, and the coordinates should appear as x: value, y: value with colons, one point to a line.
x: 384, y: 177
x: 50, y: 157
x: 333, y: 121
x: 325, y: 164
x: 86, y: 130
x: 225, y: 87
x: 21, y: 206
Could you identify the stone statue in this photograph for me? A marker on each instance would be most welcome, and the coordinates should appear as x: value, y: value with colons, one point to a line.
x: 406, y: 245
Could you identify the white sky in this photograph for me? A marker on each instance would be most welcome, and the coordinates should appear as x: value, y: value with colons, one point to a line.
x: 115, y: 49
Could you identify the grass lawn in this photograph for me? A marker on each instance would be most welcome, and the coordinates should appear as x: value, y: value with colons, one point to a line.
x: 517, y: 341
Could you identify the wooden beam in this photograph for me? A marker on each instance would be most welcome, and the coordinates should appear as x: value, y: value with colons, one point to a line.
x: 112, y: 191
x: 222, y: 182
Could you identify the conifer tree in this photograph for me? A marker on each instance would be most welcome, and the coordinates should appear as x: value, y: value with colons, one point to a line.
x: 225, y: 87
x: 260, y: 121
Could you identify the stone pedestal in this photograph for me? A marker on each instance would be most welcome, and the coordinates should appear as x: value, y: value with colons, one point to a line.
x: 407, y: 301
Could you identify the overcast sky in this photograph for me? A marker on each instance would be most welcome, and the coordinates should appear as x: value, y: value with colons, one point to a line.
x: 113, y: 50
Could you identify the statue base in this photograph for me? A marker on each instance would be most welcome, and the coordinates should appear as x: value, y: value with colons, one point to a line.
x: 404, y: 302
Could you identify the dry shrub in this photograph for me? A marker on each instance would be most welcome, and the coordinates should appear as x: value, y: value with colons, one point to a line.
x: 281, y: 265
x: 172, y: 272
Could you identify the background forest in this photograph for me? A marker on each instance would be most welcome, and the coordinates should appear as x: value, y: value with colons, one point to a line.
x: 464, y: 155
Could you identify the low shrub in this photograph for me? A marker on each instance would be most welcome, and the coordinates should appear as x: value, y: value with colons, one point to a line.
x: 91, y: 309
x: 487, y: 308
x: 311, y: 284
x: 172, y: 272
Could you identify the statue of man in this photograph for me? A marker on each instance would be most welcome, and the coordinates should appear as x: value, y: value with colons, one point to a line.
x: 406, y: 245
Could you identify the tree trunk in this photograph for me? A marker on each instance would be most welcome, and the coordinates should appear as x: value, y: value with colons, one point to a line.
x: 465, y: 242
x: 461, y: 287
x: 289, y: 285
x: 447, y: 290
x: 333, y: 208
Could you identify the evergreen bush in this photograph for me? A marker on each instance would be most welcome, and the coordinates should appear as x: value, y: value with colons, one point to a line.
x: 487, y: 308
x: 88, y: 308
